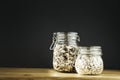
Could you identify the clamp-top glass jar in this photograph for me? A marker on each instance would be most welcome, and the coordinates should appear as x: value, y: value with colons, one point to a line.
x: 89, y: 60
x: 65, y: 50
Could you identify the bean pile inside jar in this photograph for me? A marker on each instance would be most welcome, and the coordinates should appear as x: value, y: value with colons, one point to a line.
x: 64, y: 57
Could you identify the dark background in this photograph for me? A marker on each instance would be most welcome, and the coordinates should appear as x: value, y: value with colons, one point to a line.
x: 26, y: 29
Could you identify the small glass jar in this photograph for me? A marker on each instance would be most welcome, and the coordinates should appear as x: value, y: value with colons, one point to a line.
x: 89, y: 60
x: 65, y: 50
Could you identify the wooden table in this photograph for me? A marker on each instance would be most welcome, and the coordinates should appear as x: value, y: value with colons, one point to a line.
x: 50, y: 74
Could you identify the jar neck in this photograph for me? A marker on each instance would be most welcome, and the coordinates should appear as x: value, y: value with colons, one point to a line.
x: 94, y: 50
x: 69, y: 38
x: 63, y: 38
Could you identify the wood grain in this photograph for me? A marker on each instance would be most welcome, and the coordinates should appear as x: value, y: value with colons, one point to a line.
x: 50, y: 74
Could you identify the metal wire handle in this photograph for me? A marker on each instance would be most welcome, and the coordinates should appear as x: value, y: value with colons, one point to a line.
x: 53, y: 42
x: 78, y: 38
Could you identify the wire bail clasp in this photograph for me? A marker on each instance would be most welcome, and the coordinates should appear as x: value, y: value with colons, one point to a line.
x: 52, y: 46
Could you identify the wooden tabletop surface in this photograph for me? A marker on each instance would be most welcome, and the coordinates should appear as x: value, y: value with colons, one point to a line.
x: 50, y: 74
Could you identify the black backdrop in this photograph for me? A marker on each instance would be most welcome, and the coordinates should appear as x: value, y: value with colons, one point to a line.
x: 26, y: 29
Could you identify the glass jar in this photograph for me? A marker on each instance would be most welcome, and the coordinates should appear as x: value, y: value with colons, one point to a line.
x: 89, y: 60
x: 65, y: 50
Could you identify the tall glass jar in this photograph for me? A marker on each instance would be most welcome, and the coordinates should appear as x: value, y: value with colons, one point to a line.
x: 89, y: 60
x: 65, y: 50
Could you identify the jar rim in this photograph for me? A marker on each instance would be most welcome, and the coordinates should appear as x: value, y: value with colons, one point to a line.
x: 95, y: 47
x: 73, y: 32
x: 66, y: 32
x: 91, y: 53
